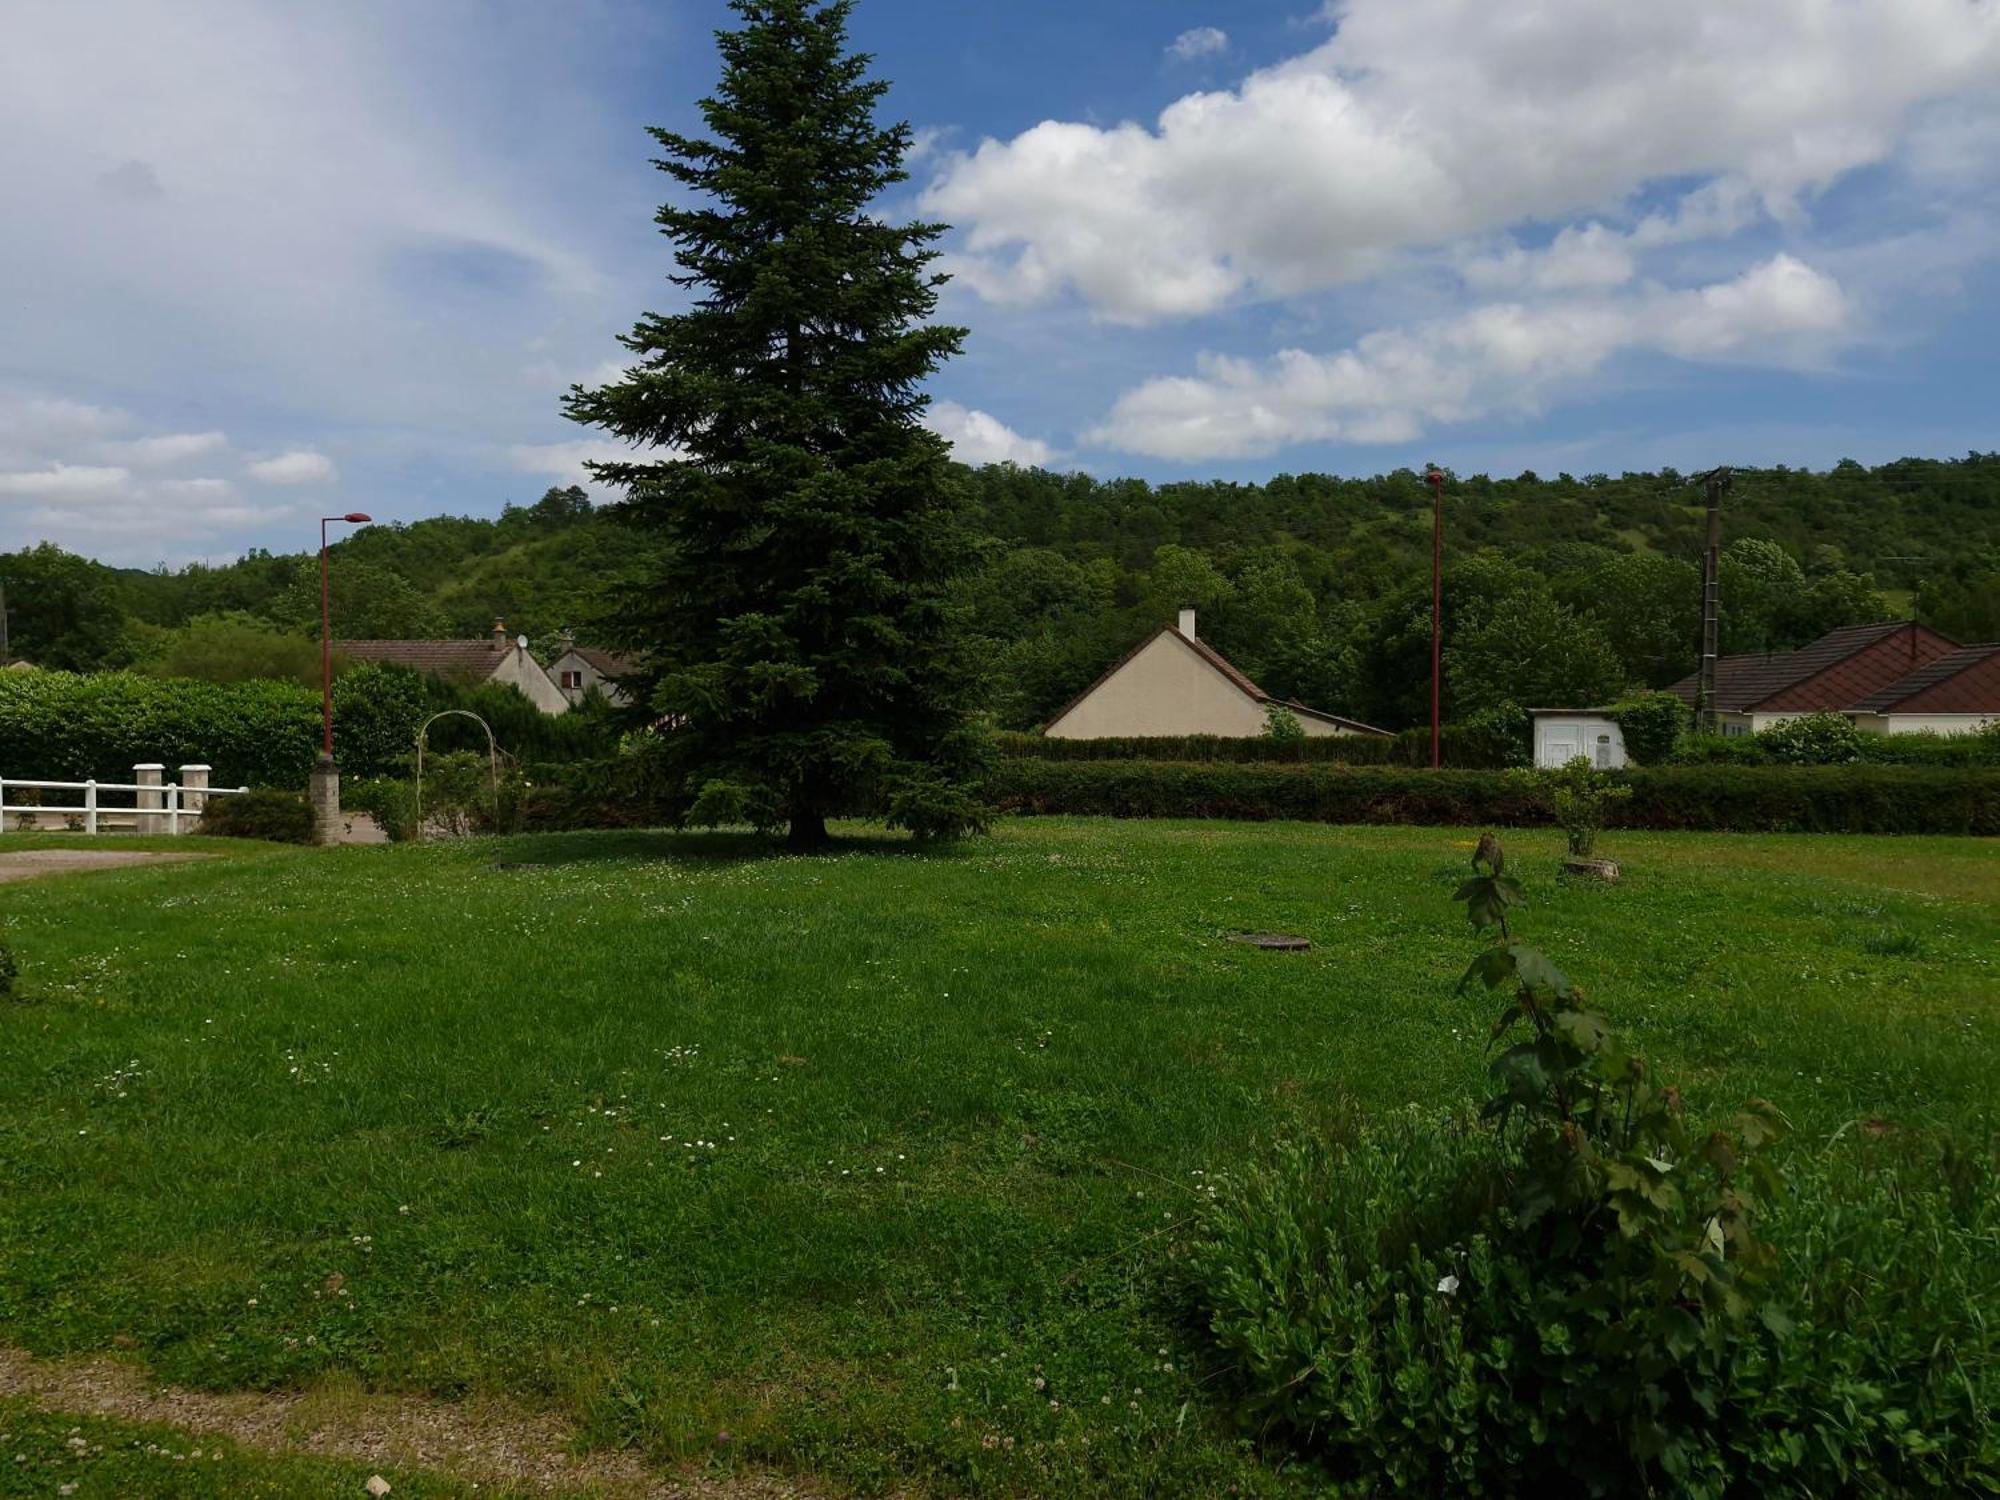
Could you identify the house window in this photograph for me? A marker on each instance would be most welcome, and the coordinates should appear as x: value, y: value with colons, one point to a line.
x: 1735, y: 728
x: 572, y: 680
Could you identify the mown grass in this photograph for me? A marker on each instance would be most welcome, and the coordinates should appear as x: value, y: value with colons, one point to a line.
x: 877, y: 1164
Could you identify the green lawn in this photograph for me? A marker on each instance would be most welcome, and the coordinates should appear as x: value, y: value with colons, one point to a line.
x: 875, y: 1165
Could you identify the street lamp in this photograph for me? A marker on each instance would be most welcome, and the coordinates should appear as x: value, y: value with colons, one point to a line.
x: 352, y: 518
x: 1435, y: 479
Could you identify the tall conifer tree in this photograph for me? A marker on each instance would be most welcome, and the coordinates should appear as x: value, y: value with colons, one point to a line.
x: 798, y: 633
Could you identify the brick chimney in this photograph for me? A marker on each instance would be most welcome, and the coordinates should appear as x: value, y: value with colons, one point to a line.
x: 566, y: 641
x: 499, y: 635
x: 1187, y: 624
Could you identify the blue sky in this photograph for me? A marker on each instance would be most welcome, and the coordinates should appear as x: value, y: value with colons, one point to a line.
x: 268, y: 261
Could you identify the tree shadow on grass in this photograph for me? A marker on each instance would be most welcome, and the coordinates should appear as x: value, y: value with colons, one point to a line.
x: 730, y: 846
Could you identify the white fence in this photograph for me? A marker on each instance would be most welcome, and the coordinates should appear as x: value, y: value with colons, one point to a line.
x: 157, y: 805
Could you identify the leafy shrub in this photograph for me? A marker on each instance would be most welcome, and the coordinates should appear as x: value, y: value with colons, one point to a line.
x: 1812, y: 740
x: 1582, y: 798
x: 1554, y: 1302
x: 1282, y: 725
x: 390, y: 801
x: 1652, y: 724
x: 464, y: 793
x: 9, y: 971
x: 1775, y: 799
x: 279, y: 817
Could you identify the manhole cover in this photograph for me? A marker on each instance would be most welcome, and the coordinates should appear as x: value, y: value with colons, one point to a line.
x: 1272, y: 942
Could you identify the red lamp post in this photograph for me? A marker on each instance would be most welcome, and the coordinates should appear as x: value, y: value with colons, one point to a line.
x: 1435, y: 479
x: 352, y: 518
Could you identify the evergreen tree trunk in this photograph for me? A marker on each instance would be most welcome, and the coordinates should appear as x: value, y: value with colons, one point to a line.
x: 808, y: 832
x: 801, y: 629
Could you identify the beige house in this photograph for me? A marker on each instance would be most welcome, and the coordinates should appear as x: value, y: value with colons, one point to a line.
x: 579, y: 670
x: 470, y: 663
x: 1174, y: 683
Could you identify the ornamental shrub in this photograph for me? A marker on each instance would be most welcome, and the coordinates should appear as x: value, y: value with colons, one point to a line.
x: 1582, y: 798
x: 1812, y: 740
x: 9, y: 971
x: 1652, y: 724
x: 279, y: 817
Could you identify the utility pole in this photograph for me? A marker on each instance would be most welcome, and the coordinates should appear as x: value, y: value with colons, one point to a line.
x: 4, y: 656
x: 1715, y: 482
x: 1435, y: 479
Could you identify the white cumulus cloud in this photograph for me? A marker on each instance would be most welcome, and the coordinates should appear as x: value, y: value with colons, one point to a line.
x: 1422, y: 122
x: 299, y: 466
x: 977, y: 437
x: 1497, y: 358
x: 169, y: 449
x: 1199, y: 41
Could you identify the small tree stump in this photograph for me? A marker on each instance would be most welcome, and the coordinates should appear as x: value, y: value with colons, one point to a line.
x: 1272, y: 942
x: 1605, y: 870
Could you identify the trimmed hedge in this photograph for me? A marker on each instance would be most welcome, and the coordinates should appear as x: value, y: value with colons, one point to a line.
x: 1742, y: 799
x: 1942, y: 750
x: 1468, y: 747
x: 68, y: 726
x: 266, y: 813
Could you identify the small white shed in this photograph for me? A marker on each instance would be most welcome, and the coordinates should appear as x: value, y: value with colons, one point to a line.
x: 1562, y: 734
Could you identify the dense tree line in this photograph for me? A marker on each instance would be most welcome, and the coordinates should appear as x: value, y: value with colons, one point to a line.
x: 1557, y: 589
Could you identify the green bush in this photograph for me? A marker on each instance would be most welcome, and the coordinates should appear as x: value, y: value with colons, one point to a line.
x: 389, y: 800
x: 9, y: 971
x: 1582, y: 798
x: 1812, y: 740
x: 1749, y: 799
x: 279, y: 817
x: 1652, y: 724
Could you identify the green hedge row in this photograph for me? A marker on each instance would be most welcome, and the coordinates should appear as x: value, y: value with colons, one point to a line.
x: 1467, y: 747
x: 67, y: 726
x: 1944, y: 750
x: 1744, y: 799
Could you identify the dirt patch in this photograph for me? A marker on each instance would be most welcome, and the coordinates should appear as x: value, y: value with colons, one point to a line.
x: 26, y: 864
x: 485, y: 1441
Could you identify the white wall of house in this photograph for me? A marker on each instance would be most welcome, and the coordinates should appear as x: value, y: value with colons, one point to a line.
x: 1561, y: 737
x: 1168, y: 688
x: 1895, y: 723
x: 575, y: 676
x: 521, y: 672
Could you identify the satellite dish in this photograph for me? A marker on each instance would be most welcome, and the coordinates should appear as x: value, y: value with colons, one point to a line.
x: 521, y: 641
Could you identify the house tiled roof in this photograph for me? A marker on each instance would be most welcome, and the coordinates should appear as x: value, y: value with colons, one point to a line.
x: 469, y: 662
x: 1948, y: 684
x: 1832, y: 673
x: 603, y: 661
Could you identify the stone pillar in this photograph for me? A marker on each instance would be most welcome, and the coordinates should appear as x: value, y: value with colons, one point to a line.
x: 194, y: 790
x: 325, y: 798
x: 149, y: 778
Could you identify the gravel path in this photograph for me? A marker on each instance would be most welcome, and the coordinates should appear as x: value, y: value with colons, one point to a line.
x: 27, y: 864
x: 485, y: 1441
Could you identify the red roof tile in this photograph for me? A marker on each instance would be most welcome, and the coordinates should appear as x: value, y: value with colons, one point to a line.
x: 1965, y: 681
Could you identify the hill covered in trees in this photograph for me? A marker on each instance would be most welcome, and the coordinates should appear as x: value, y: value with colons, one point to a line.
x: 1557, y: 590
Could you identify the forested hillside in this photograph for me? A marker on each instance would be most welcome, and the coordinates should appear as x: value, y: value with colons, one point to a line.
x: 1557, y: 590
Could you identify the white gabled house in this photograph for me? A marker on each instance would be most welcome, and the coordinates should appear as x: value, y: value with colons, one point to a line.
x: 1174, y: 683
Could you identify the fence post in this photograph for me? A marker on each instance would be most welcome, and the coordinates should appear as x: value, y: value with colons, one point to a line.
x: 151, y: 800
x: 194, y: 790
x: 90, y: 807
x: 174, y: 808
x: 3, y: 804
